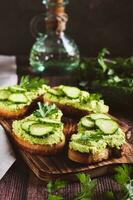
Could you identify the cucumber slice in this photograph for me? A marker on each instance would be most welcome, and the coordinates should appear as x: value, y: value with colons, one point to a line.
x: 40, y: 130
x: 49, y: 121
x: 87, y: 122
x: 18, y: 98
x: 99, y: 116
x: 26, y: 125
x: 4, y: 94
x: 71, y: 92
x: 17, y: 88
x: 56, y: 92
x: 108, y: 126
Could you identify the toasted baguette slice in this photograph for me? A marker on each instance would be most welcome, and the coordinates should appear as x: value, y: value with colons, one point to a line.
x: 19, y: 113
x: 67, y: 110
x: 87, y: 158
x: 38, y: 148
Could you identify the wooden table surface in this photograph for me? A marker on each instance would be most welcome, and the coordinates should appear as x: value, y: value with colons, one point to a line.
x: 21, y: 184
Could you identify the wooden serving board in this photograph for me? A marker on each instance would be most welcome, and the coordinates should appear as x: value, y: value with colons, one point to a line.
x: 51, y: 167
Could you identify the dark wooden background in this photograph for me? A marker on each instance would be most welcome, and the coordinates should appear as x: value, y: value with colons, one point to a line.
x: 93, y: 24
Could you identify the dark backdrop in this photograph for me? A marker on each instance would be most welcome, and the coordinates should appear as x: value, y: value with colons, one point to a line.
x: 92, y: 23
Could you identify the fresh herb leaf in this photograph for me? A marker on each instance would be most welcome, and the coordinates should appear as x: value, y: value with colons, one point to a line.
x: 45, y: 110
x: 31, y: 83
x: 101, y: 59
x: 87, y: 186
x: 109, y: 195
x: 123, y: 179
x: 95, y: 96
x: 94, y: 136
x: 122, y: 174
x: 128, y: 192
x: 54, y: 186
x: 54, y: 197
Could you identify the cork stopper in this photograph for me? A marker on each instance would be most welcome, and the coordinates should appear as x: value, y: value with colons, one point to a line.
x: 56, y: 17
x: 56, y: 6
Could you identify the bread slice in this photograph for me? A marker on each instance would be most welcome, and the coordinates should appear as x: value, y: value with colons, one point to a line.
x: 19, y: 113
x: 89, y: 158
x: 39, y: 148
x: 68, y: 110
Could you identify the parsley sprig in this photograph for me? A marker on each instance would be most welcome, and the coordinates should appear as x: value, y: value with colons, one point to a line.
x: 53, y: 189
x: 87, y: 186
x: 123, y: 178
x: 45, y: 110
x: 31, y: 83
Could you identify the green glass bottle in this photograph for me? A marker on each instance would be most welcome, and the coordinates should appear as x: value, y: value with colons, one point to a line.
x: 54, y: 53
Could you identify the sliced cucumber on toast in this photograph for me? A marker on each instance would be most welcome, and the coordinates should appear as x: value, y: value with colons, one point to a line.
x: 49, y: 121
x: 71, y: 92
x: 18, y: 98
x: 17, y: 88
x: 26, y: 125
x: 56, y: 92
x: 87, y: 122
x: 108, y: 126
x: 40, y: 130
x: 4, y: 94
x: 96, y: 116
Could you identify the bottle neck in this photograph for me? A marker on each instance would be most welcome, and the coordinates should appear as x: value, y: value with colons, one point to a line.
x: 56, y: 23
x: 56, y: 18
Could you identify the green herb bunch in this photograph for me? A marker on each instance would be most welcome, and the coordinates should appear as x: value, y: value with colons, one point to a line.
x: 123, y: 178
x: 104, y: 70
x: 31, y: 83
x: 87, y: 188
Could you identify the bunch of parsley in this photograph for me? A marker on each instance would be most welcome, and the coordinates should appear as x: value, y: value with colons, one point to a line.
x: 31, y: 83
x: 123, y: 178
x: 105, y: 70
x: 87, y: 188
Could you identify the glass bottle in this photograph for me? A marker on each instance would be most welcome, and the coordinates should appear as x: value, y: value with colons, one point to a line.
x: 54, y: 53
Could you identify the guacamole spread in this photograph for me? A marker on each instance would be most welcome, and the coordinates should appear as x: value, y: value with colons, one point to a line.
x: 44, y: 126
x: 94, y: 137
x: 16, y: 97
x: 77, y: 98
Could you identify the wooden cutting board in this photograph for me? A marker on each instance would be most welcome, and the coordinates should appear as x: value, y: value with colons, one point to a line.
x: 51, y: 167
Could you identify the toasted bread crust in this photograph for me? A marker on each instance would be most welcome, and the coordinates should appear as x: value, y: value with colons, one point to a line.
x: 88, y: 158
x: 67, y: 110
x: 17, y: 114
x: 38, y: 148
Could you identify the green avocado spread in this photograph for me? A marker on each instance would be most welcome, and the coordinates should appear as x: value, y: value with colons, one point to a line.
x: 77, y: 98
x: 92, y: 138
x: 15, y: 97
x: 44, y: 126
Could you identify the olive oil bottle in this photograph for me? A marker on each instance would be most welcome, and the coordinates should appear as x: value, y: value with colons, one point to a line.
x: 54, y: 53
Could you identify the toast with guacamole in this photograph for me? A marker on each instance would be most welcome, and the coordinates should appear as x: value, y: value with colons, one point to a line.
x: 75, y: 102
x: 15, y: 101
x: 98, y: 138
x: 41, y: 132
